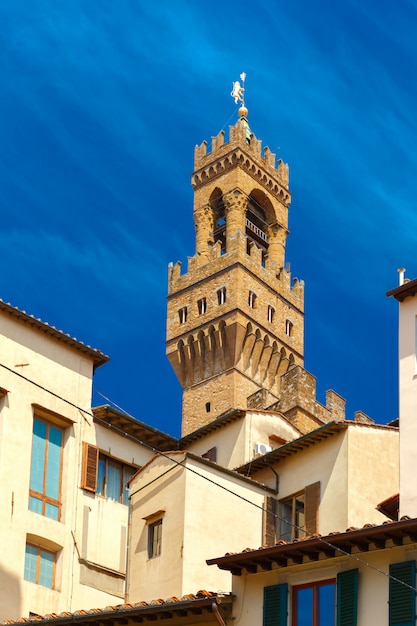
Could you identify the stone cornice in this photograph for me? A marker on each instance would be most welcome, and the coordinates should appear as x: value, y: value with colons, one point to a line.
x: 237, y: 157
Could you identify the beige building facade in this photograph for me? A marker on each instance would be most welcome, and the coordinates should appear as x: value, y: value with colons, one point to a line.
x: 355, y: 578
x: 63, y: 471
x: 406, y: 295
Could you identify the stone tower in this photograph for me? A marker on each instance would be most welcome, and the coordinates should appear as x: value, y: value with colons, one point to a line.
x: 235, y: 322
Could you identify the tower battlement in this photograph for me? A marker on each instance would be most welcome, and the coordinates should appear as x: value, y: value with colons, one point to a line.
x: 235, y: 321
x: 249, y: 257
x: 239, y: 136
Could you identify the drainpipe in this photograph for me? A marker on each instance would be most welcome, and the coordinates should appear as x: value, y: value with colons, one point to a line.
x: 216, y: 611
x: 276, y: 478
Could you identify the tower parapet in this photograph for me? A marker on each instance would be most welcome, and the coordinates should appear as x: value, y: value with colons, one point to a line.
x: 235, y: 320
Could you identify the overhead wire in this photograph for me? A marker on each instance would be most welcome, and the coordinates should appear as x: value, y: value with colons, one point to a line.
x: 213, y: 482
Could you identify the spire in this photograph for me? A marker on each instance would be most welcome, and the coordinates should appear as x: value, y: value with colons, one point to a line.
x: 238, y: 94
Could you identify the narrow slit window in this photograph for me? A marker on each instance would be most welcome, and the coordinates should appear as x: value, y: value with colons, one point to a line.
x: 202, y: 306
x: 221, y: 295
x: 182, y: 314
x: 288, y: 327
x: 155, y: 539
x: 252, y: 299
x: 271, y: 313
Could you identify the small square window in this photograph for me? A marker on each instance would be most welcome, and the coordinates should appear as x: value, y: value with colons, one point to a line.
x: 182, y: 314
x: 202, y: 306
x: 155, y: 538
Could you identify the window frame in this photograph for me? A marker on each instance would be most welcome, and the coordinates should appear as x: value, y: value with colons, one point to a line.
x: 155, y: 538
x: 202, y: 306
x: 182, y: 314
x: 38, y: 573
x: 221, y: 295
x: 311, y: 512
x: 111, y: 462
x: 315, y: 586
x: 252, y: 299
x: 297, y: 530
x: 43, y: 496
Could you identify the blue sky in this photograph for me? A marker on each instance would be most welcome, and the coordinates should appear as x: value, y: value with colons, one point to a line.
x: 101, y: 105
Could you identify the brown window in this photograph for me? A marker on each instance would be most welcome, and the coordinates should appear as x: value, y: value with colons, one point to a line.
x: 298, y: 514
x: 155, y: 538
x: 104, y: 475
x: 89, y: 467
x: 315, y: 604
x: 270, y: 521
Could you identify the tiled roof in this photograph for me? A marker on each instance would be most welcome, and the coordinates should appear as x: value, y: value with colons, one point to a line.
x: 318, y: 547
x: 404, y: 291
x: 199, y: 459
x: 188, y: 605
x: 140, y: 431
x: 99, y: 358
x: 296, y: 445
x: 226, y: 418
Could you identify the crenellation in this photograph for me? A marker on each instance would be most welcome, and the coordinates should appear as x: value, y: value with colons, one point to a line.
x: 174, y: 273
x: 200, y: 151
x: 217, y: 141
x: 283, y: 172
x: 269, y: 158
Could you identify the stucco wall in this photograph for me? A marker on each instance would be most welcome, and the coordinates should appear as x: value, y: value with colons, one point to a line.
x: 373, y: 585
x: 199, y: 520
x: 408, y: 405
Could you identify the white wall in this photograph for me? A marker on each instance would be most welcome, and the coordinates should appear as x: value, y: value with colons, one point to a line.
x: 408, y: 406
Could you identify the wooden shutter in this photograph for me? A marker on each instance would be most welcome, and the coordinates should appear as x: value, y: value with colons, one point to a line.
x: 311, y: 510
x: 89, y: 467
x: 402, y: 599
x: 347, y: 598
x: 275, y: 605
x: 269, y: 521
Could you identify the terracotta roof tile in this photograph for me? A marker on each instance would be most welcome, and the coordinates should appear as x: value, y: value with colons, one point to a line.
x: 97, y: 356
x: 201, y: 597
x: 335, y: 543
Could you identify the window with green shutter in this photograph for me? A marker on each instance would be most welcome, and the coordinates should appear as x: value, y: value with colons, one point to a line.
x: 402, y: 597
x: 275, y: 605
x: 347, y: 598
